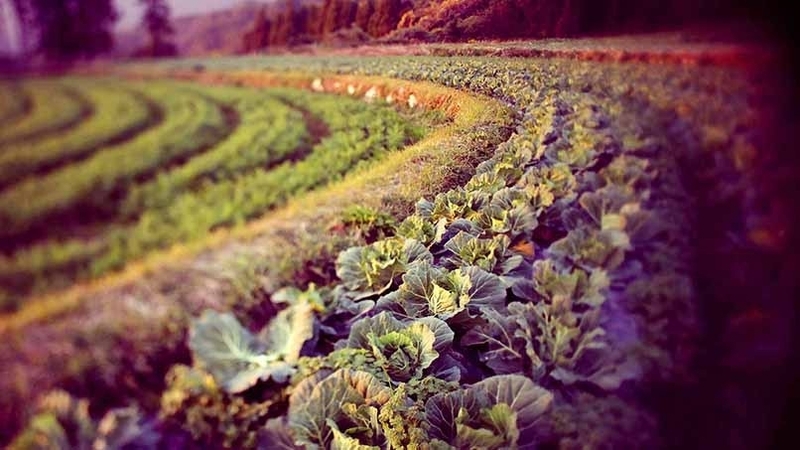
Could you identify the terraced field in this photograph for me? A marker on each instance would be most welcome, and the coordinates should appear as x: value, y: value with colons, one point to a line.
x: 579, y: 257
x: 155, y: 164
x: 56, y: 107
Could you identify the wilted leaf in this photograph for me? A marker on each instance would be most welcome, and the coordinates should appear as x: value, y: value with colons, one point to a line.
x: 236, y: 359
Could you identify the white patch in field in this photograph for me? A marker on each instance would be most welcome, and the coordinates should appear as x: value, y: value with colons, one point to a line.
x: 412, y: 101
x: 351, y: 89
x: 371, y: 94
x: 317, y: 85
x: 390, y: 99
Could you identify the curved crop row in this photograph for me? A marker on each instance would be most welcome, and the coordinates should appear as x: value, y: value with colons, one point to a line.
x: 13, y: 103
x: 56, y: 107
x: 357, y: 132
x: 269, y: 131
x: 118, y: 113
x: 192, y: 123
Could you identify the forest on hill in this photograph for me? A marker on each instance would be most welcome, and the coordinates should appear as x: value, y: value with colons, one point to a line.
x: 87, y: 28
x: 307, y: 21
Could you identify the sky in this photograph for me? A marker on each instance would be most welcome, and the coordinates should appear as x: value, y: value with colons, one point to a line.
x: 9, y: 39
x: 130, y: 11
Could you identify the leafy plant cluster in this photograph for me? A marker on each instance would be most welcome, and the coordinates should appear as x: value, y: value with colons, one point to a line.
x: 66, y: 423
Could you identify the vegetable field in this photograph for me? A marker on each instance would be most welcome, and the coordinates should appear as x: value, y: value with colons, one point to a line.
x: 579, y: 270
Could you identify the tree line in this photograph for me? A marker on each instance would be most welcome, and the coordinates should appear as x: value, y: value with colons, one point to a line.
x: 73, y: 29
x: 476, y: 19
x: 308, y: 21
x: 64, y: 30
x: 299, y: 21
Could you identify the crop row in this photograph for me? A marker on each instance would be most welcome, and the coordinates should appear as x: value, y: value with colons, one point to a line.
x: 117, y: 113
x: 269, y: 131
x: 191, y: 124
x: 268, y: 158
x: 13, y: 103
x: 55, y: 107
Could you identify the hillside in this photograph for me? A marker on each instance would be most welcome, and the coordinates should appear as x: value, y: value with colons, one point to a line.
x: 266, y: 24
x: 214, y: 32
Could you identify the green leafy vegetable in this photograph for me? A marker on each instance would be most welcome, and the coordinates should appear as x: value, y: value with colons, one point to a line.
x: 417, y: 228
x: 491, y: 255
x: 64, y: 423
x: 430, y: 291
x: 569, y: 347
x: 196, y: 403
x: 237, y: 359
x: 321, y: 400
x: 371, y: 270
x: 498, y: 412
x: 403, y: 350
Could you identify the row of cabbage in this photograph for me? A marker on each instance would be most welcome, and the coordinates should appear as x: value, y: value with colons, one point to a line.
x: 202, y: 174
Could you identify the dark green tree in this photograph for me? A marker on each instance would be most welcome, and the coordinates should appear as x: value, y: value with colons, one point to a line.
x: 67, y: 29
x: 387, y: 14
x: 364, y: 12
x: 156, y: 20
x: 257, y: 37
